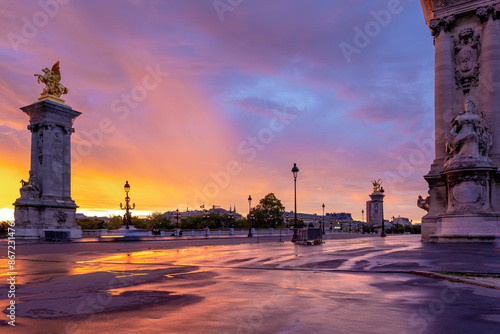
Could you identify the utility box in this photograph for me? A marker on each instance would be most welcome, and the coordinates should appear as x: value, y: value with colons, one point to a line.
x: 309, y: 236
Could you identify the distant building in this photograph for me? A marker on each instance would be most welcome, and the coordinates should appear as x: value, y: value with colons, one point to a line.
x: 369, y: 216
x: 80, y: 216
x: 193, y: 213
x: 401, y: 220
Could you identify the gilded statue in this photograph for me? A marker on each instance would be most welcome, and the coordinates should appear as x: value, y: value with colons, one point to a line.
x: 51, y: 79
x: 30, y: 189
x: 377, y: 185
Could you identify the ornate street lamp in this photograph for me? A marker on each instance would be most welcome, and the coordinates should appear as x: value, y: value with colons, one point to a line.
x: 323, y: 218
x: 250, y: 216
x: 295, y: 171
x: 127, y: 207
x: 177, y: 216
x: 383, y: 226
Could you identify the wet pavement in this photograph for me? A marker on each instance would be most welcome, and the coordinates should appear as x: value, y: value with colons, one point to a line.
x: 362, y: 284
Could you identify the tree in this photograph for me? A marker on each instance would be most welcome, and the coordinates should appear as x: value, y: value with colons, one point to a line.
x: 154, y: 218
x: 115, y: 222
x: 88, y: 223
x: 269, y: 212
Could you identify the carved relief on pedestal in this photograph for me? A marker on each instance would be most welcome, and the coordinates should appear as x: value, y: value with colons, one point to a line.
x: 61, y: 218
x: 57, y: 145
x: 39, y: 146
x: 466, y: 58
x: 468, y: 193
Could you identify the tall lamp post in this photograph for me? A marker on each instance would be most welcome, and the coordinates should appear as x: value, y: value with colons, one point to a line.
x: 362, y: 221
x: 323, y: 218
x: 295, y: 171
x: 177, y: 216
x: 127, y: 206
x: 205, y: 217
x: 230, y: 217
x: 250, y: 216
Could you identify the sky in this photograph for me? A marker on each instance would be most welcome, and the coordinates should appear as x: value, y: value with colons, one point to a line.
x: 207, y: 102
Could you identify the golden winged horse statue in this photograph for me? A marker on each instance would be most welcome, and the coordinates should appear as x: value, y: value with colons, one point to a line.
x: 51, y: 79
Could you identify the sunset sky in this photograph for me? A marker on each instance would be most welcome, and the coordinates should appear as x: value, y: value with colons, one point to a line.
x: 205, y: 102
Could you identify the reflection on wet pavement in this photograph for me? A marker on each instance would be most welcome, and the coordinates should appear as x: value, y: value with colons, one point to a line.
x: 341, y: 286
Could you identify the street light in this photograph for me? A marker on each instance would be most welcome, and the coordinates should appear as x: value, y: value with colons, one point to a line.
x: 362, y: 221
x: 383, y: 226
x: 127, y: 206
x: 250, y: 216
x: 230, y: 217
x: 295, y: 171
x: 177, y: 215
x: 323, y: 218
x: 205, y: 217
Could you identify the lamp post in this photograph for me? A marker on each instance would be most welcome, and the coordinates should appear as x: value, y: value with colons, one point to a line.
x: 205, y: 217
x: 295, y: 171
x: 362, y: 221
x: 230, y: 217
x: 250, y: 216
x: 323, y: 218
x: 383, y: 226
x: 177, y: 216
x: 127, y: 206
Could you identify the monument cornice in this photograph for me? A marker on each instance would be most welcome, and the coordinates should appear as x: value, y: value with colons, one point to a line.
x: 64, y: 115
x: 442, y: 8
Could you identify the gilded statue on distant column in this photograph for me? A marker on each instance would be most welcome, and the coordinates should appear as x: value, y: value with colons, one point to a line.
x: 377, y: 185
x: 51, y: 79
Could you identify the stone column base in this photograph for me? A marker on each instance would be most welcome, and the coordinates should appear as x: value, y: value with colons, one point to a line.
x: 467, y: 228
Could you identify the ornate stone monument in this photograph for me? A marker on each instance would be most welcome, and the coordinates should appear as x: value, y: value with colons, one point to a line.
x: 45, y: 206
x: 464, y: 189
x: 375, y: 211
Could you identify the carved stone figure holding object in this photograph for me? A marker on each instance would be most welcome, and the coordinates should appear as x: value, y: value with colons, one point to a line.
x: 51, y: 79
x: 468, y: 141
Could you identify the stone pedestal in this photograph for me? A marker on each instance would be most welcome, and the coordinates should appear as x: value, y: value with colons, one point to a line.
x: 467, y: 56
x: 376, y: 211
x: 45, y: 202
x: 469, y: 216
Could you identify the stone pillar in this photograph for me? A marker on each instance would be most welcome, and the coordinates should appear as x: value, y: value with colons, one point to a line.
x: 377, y: 209
x: 443, y: 86
x: 489, y: 79
x: 45, y: 202
x: 464, y: 203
